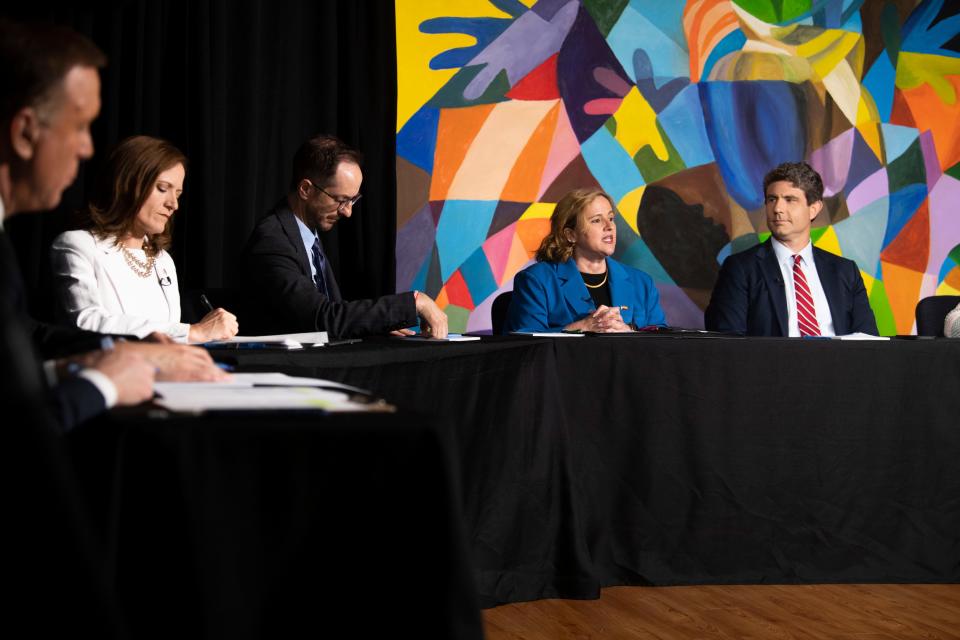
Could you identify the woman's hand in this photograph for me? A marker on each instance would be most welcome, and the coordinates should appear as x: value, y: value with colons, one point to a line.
x: 603, y: 320
x: 219, y: 324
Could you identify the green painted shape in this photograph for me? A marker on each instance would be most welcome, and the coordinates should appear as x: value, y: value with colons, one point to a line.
x: 890, y: 32
x: 907, y: 169
x: 880, y: 305
x: 456, y: 318
x: 954, y: 171
x: 955, y: 254
x: 775, y: 11
x: 605, y: 13
x: 451, y: 94
x: 816, y: 233
x: 651, y: 167
x: 746, y: 241
x: 611, y: 126
x: 763, y: 236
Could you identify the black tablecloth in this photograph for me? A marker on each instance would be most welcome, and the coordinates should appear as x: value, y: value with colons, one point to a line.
x: 589, y: 462
x: 280, y: 525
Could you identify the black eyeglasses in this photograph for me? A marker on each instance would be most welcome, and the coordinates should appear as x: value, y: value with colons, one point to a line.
x: 341, y: 202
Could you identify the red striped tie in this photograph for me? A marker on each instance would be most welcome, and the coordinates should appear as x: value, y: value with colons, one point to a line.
x: 806, y: 312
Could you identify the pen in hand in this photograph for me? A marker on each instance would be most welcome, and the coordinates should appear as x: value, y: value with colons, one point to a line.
x: 206, y: 302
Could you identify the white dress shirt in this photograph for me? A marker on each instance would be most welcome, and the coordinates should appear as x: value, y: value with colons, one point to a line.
x: 785, y: 260
x: 97, y: 290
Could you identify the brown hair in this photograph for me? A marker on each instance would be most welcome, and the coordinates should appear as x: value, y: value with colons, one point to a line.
x: 800, y: 175
x: 125, y: 183
x: 34, y: 58
x: 555, y: 246
x: 317, y: 160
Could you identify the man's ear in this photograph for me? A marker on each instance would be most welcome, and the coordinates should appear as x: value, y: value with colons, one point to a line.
x: 24, y: 132
x: 815, y: 209
x: 303, y: 189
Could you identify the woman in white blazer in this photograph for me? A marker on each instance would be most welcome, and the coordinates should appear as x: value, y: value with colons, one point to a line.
x: 114, y: 275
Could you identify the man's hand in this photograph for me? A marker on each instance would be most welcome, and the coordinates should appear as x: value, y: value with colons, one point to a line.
x: 130, y: 373
x: 177, y: 362
x: 433, y: 321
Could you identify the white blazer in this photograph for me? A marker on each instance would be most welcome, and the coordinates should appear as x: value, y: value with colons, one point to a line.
x: 97, y: 290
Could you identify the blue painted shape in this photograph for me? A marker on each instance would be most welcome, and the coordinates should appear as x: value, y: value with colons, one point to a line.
x: 861, y: 235
x: 417, y: 140
x: 923, y: 33
x: 665, y: 16
x: 419, y: 282
x: 897, y: 139
x: 903, y: 204
x: 752, y: 127
x: 462, y: 228
x: 478, y: 276
x: 863, y: 163
x: 731, y: 42
x: 415, y: 243
x: 947, y: 266
x: 640, y: 257
x: 611, y: 164
x: 485, y: 30
x: 682, y: 121
x: 632, y: 31
x: 879, y: 81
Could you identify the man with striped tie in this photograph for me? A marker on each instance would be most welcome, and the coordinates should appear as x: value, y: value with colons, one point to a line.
x: 786, y: 286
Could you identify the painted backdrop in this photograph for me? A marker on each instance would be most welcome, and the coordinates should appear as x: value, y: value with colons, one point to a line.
x: 677, y: 110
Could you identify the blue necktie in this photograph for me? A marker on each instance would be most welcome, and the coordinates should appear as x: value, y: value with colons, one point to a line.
x: 318, y: 262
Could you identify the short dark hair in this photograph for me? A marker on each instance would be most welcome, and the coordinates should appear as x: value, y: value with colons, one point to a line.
x: 34, y: 59
x: 800, y: 175
x: 317, y: 159
x: 125, y: 183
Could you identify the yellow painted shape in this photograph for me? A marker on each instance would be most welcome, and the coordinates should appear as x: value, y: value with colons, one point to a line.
x: 914, y: 69
x: 630, y: 203
x: 416, y: 81
x: 867, y: 111
x: 903, y: 290
x: 868, y: 281
x: 495, y: 149
x: 844, y: 88
x: 872, y: 136
x: 946, y: 290
x: 539, y: 210
x: 828, y: 49
x: 637, y: 126
x: 829, y: 242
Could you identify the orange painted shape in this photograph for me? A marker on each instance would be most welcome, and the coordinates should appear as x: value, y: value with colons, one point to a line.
x: 442, y: 300
x: 532, y: 232
x: 903, y: 290
x: 942, y: 119
x: 523, y: 185
x: 953, y: 278
x: 911, y: 247
x: 457, y: 291
x: 455, y: 133
x: 539, y: 84
x: 519, y: 256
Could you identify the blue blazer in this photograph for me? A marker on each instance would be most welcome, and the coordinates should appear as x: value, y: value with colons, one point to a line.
x: 547, y: 296
x: 749, y: 297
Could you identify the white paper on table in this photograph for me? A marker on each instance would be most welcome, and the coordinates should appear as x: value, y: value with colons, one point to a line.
x: 233, y: 398
x: 861, y: 336
x: 250, y: 380
x: 291, y: 340
x: 538, y: 334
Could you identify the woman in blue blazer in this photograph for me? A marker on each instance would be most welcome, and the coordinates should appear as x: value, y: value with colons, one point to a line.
x: 575, y: 285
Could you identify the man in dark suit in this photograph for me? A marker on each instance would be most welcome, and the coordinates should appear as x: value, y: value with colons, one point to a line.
x: 290, y: 279
x: 786, y: 286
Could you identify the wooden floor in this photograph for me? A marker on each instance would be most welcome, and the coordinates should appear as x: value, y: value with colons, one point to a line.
x: 839, y: 612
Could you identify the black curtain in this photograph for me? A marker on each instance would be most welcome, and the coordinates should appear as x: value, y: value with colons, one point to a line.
x: 238, y: 85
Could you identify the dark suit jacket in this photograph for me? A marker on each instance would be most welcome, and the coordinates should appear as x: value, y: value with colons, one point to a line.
x: 73, y: 400
x: 285, y: 300
x: 749, y: 297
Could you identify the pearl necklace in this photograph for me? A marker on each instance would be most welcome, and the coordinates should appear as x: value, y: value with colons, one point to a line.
x: 142, y: 269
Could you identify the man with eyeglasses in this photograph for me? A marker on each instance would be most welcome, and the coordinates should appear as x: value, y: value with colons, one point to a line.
x: 291, y: 282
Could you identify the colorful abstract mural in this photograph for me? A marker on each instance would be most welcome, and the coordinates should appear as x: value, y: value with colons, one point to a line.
x: 677, y: 109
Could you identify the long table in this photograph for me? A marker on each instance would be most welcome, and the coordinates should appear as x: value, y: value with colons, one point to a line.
x: 588, y: 462
x: 280, y: 524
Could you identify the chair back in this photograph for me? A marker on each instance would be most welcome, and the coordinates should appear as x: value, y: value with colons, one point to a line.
x: 498, y: 311
x: 932, y: 311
